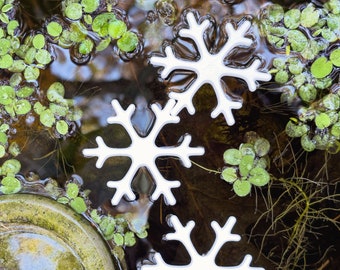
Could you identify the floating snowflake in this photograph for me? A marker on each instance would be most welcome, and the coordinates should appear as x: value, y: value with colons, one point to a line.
x: 210, y: 68
x: 206, y: 261
x: 143, y: 152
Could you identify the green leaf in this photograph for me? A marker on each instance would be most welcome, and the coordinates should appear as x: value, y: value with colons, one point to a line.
x: 29, y: 55
x: 72, y: 190
x: 58, y: 87
x: 261, y: 147
x: 95, y: 216
x: 118, y: 239
x: 292, y: 18
x: 246, y: 164
x: 335, y: 57
x: 63, y: 200
x: 259, y: 177
x: 22, y: 106
x: 90, y: 5
x: 335, y: 130
x: 307, y: 144
x: 321, y: 67
x: 4, y: 18
x: 297, y: 40
x: 86, y: 46
x: 24, y: 92
x: 43, y: 57
x: 74, y: 11
x: 38, y: 41
x: 10, y: 167
x: 307, y: 93
x: 54, y: 29
x: 107, y: 225
x: 129, y: 239
x: 241, y: 188
x: 229, y: 174
x: 47, y: 118
x: 247, y: 149
x: 5, y: 46
x: 311, y: 50
x: 101, y: 22
x: 78, y: 204
x: 2, y: 151
x: 6, y: 61
x: 10, y: 185
x: 333, y: 6
x: 322, y: 121
x: 15, y: 79
x: 128, y: 42
x: 38, y: 108
x: 309, y: 16
x: 103, y: 44
x: 31, y: 73
x: 275, y: 13
x: 331, y: 101
x: 3, y: 138
x: 6, y: 8
x: 296, y: 130
x: 17, y: 66
x: 116, y: 29
x: 232, y: 156
x: 62, y: 127
x: 7, y: 94
x: 12, y: 26
x: 281, y: 77
x: 329, y: 35
x: 14, y: 149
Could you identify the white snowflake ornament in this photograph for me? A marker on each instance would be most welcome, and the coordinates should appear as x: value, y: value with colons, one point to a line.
x: 143, y: 152
x: 205, y: 261
x: 210, y: 68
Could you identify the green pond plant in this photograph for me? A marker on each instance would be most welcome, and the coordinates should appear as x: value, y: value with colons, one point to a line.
x: 247, y: 166
x: 307, y: 70
x: 305, y: 39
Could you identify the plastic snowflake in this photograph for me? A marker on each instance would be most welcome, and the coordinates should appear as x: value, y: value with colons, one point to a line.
x: 143, y: 152
x: 210, y: 68
x: 206, y: 261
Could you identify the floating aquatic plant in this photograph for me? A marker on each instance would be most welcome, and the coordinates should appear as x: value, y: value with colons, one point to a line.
x: 246, y: 166
x: 292, y: 29
x: 85, y: 16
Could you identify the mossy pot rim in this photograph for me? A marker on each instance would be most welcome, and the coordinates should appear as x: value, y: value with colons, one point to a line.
x: 41, y: 213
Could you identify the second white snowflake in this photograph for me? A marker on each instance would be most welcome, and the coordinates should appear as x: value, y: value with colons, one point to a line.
x: 210, y: 68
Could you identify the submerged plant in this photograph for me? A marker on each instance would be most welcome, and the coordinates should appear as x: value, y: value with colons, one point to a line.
x: 300, y: 205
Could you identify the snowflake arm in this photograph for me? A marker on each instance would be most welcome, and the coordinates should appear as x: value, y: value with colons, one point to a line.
x: 196, y: 32
x: 236, y: 37
x: 207, y: 261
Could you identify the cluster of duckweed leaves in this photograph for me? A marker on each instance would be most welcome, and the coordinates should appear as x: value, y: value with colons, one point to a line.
x: 9, y: 183
x: 118, y: 229
x: 23, y: 56
x: 318, y: 126
x: 26, y: 56
x: 88, y: 21
x: 308, y: 70
x: 307, y: 30
x: 246, y: 166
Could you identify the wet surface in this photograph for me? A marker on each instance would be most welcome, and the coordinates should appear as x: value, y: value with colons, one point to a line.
x: 203, y: 196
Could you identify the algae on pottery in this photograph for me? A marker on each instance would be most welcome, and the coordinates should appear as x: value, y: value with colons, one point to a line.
x: 39, y: 233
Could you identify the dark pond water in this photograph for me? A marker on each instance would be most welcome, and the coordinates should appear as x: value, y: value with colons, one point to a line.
x: 203, y: 196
